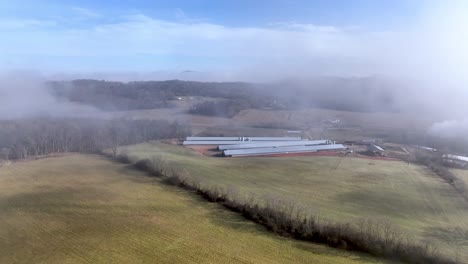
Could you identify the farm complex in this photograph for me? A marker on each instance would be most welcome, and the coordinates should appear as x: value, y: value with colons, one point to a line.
x: 292, y: 146
x: 262, y: 146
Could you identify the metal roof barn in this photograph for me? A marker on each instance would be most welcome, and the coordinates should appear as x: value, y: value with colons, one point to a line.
x: 376, y: 148
x: 456, y: 157
x: 242, y: 138
x: 249, y: 145
x: 427, y: 148
x: 271, y: 138
x: 212, y: 142
x: 213, y: 138
x: 281, y: 150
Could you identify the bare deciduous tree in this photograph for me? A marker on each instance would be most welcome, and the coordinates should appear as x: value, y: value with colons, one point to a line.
x: 20, y: 139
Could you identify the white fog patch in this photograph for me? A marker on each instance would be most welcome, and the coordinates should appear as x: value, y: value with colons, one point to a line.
x: 450, y: 129
x: 24, y: 94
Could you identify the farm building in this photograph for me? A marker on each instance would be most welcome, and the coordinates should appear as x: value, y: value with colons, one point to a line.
x: 281, y: 150
x: 233, y: 140
x: 249, y: 145
x: 255, y: 146
x: 213, y: 139
x: 376, y: 149
x: 456, y: 160
x: 242, y: 138
x: 213, y: 142
x: 427, y: 148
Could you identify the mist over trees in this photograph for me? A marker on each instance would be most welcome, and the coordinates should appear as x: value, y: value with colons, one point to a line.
x: 24, y: 138
x: 108, y: 95
x: 349, y: 94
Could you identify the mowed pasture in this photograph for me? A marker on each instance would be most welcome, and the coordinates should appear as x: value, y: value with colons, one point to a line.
x: 87, y: 209
x: 341, y: 189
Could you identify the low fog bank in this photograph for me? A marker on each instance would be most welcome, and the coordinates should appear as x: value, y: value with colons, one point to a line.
x: 451, y: 129
x: 30, y: 95
x: 133, y: 76
x: 24, y: 95
x: 357, y: 94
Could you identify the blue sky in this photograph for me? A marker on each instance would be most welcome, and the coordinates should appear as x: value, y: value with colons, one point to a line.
x: 366, y: 13
x: 231, y: 38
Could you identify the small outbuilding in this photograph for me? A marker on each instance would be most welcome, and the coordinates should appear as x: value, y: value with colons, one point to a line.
x: 376, y: 149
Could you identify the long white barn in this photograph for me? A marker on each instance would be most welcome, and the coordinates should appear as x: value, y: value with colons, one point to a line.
x: 212, y: 142
x: 281, y: 150
x: 234, y: 140
x: 250, y: 145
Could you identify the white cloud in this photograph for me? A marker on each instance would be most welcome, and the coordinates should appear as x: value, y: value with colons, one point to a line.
x: 181, y: 16
x: 18, y: 24
x: 292, y: 25
x: 433, y: 48
x: 139, y: 34
x: 85, y: 12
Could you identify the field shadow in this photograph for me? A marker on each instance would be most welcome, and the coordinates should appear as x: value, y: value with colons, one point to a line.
x: 135, y: 175
x: 219, y: 214
x: 224, y: 217
x: 371, y: 202
x: 321, y: 249
x: 450, y: 235
x: 44, y: 200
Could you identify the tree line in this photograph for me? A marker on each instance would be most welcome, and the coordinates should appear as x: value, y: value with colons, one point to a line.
x: 348, y: 94
x: 24, y: 138
x: 225, y: 108
x: 436, y: 163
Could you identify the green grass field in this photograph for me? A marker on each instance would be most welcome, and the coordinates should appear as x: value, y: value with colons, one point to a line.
x: 86, y: 209
x: 340, y: 189
x: 462, y: 174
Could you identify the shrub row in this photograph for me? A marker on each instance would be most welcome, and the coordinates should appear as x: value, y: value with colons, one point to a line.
x: 436, y: 164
